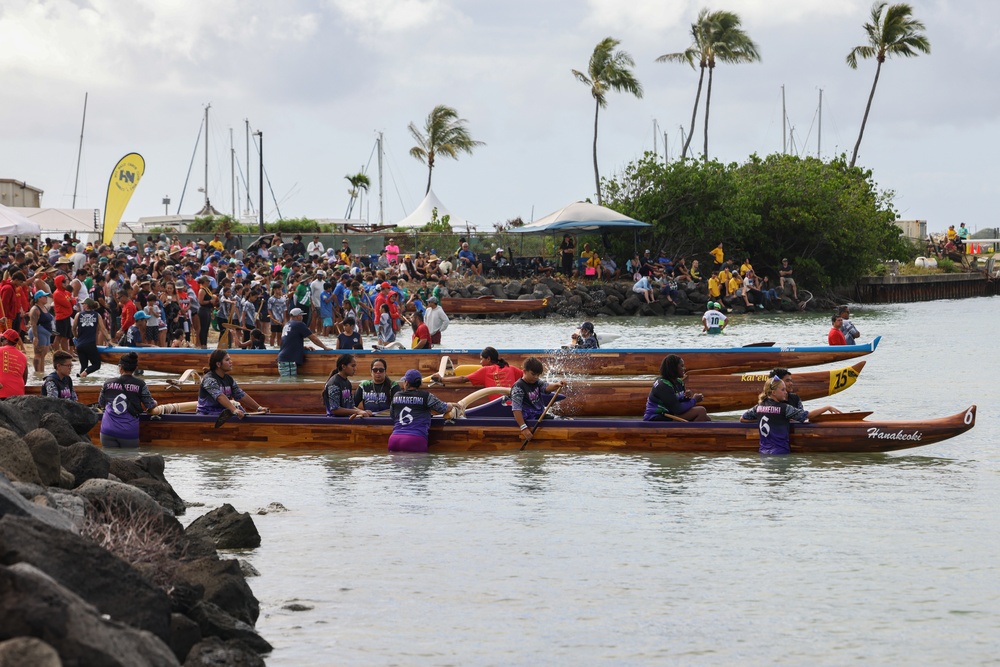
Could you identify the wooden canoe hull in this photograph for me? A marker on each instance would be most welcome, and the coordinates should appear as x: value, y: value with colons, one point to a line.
x: 501, y: 434
x: 594, y: 398
x: 488, y: 306
x: 608, y: 361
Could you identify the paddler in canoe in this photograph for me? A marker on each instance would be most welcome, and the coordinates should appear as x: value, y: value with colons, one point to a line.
x: 493, y: 372
x: 668, y: 399
x: 219, y: 393
x: 338, y: 394
x: 411, y: 414
x: 774, y: 415
x: 376, y: 394
x: 530, y: 397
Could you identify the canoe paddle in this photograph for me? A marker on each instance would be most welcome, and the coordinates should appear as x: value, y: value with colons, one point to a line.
x: 540, y: 418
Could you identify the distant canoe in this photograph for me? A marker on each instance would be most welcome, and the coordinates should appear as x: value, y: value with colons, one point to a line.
x: 584, y: 398
x: 500, y: 433
x: 605, y: 361
x: 488, y: 305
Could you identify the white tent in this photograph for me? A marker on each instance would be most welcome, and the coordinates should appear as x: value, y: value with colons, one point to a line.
x: 57, y: 221
x: 422, y: 215
x: 13, y: 223
x: 581, y: 217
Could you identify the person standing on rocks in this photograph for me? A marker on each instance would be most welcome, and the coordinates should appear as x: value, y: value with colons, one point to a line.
x: 13, y: 365
x: 124, y: 398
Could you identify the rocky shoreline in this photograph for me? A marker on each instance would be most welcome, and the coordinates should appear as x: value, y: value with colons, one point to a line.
x: 95, y: 568
x: 592, y: 299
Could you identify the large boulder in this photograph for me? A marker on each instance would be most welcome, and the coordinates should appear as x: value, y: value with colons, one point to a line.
x: 16, y: 459
x: 85, y: 461
x: 45, y: 452
x: 224, y: 585
x: 214, y: 652
x: 13, y: 504
x: 34, y: 604
x: 25, y: 413
x: 129, y: 500
x: 88, y: 570
x: 226, y: 527
x: 62, y: 429
x: 184, y: 633
x: 28, y: 651
x: 215, y: 622
x: 70, y: 505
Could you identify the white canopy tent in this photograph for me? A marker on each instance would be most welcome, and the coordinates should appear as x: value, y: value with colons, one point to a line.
x: 13, y: 223
x: 580, y: 217
x: 58, y: 221
x: 422, y: 215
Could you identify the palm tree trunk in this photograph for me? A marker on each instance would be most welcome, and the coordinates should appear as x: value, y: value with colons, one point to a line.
x: 708, y: 104
x: 430, y: 170
x: 864, y: 121
x: 694, y: 112
x: 597, y: 175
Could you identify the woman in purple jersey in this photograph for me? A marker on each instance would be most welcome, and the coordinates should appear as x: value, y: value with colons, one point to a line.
x: 411, y: 414
x: 774, y: 417
x: 124, y: 398
x: 219, y: 392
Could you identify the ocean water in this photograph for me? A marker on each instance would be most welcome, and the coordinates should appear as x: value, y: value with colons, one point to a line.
x: 641, y: 559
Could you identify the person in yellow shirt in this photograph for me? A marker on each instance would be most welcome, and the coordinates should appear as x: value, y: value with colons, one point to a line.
x: 593, y: 261
x: 717, y: 255
x: 714, y: 289
x: 745, y: 266
x: 734, y: 288
x: 216, y: 243
x: 724, y: 276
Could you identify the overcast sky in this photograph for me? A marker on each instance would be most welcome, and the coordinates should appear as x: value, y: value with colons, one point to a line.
x: 321, y: 78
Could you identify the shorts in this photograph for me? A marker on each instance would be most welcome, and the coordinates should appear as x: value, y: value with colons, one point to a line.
x: 112, y: 442
x: 714, y: 330
x: 328, y: 321
x: 405, y: 442
x: 288, y: 369
x: 64, y: 328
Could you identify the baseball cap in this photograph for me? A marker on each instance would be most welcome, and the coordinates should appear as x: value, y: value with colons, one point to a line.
x: 11, y: 335
x: 499, y: 249
x: 40, y: 293
x: 386, y: 286
x: 296, y: 312
x: 413, y: 376
x: 141, y: 315
x: 587, y: 326
x: 433, y: 299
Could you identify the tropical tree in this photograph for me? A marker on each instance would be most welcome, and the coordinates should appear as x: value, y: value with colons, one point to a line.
x: 359, y: 182
x: 892, y: 32
x: 608, y: 70
x: 444, y: 133
x: 716, y: 37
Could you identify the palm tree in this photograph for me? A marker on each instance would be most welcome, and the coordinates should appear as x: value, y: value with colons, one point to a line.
x: 359, y: 182
x: 608, y: 70
x: 716, y: 37
x: 892, y: 32
x: 445, y: 134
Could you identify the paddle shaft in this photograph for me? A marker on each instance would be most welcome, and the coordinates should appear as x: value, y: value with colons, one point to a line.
x: 541, y: 417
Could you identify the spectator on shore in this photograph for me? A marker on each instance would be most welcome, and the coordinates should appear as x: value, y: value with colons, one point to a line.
x: 391, y: 252
x: 567, y: 250
x: 751, y: 289
x: 13, y: 365
x: 669, y: 290
x: 645, y: 289
x: 718, y: 256
x: 680, y: 270
x: 469, y: 261
x: 836, y: 335
x: 714, y: 287
x: 745, y: 267
x: 785, y: 278
x: 609, y: 268
x: 695, y: 271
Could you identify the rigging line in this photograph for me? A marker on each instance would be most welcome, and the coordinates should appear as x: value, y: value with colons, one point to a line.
x: 194, y: 153
x: 242, y: 178
x: 811, y: 126
x: 268, y: 179
x: 389, y: 163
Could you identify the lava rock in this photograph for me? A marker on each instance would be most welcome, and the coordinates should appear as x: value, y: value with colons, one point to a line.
x: 13, y: 504
x: 45, y: 452
x: 85, y: 461
x: 28, y: 651
x: 215, y: 622
x: 184, y: 634
x: 16, y: 459
x: 214, y: 652
x: 228, y: 528
x: 59, y: 426
x: 127, y: 499
x: 224, y: 586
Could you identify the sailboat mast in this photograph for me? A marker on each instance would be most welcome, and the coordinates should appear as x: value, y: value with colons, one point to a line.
x: 246, y: 122
x: 232, y: 172
x: 381, y: 208
x: 819, y: 134
x: 784, y: 122
x: 79, y: 152
x: 207, y: 203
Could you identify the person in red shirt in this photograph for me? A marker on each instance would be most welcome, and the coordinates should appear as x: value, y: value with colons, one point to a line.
x: 63, y: 302
x: 13, y: 365
x: 128, y: 311
x: 493, y: 372
x: 421, y: 334
x: 9, y: 302
x: 836, y: 336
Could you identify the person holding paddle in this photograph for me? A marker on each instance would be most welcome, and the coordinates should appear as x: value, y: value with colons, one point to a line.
x: 668, y: 399
x: 219, y: 392
x: 411, y: 414
x: 774, y: 416
x: 493, y: 372
x: 528, y: 396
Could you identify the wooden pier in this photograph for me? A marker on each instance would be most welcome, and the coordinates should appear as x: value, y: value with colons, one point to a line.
x: 908, y: 289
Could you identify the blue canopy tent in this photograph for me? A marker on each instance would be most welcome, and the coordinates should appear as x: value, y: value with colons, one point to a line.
x: 579, y: 217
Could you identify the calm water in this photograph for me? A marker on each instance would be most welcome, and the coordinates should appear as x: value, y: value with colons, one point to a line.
x: 555, y: 559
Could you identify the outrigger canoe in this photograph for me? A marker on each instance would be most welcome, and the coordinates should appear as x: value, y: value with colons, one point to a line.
x: 593, y: 398
x: 488, y: 305
x: 500, y: 433
x: 562, y: 362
